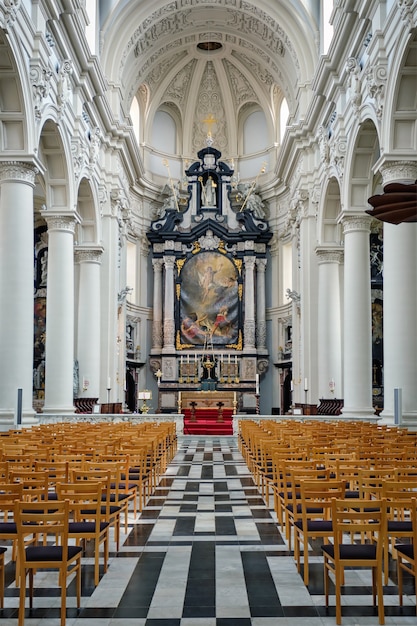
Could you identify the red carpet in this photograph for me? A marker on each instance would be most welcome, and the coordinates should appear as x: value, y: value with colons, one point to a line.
x: 206, y: 422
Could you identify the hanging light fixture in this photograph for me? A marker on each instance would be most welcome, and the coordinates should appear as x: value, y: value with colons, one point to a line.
x: 398, y: 204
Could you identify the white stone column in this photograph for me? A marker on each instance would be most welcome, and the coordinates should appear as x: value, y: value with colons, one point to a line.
x: 249, y: 324
x: 169, y: 322
x: 157, y: 306
x: 357, y: 389
x: 400, y: 305
x: 260, y: 306
x: 59, y: 346
x: 17, y: 181
x: 88, y: 321
x: 329, y: 353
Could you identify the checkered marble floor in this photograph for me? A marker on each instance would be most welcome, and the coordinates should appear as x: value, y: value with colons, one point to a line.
x: 206, y: 551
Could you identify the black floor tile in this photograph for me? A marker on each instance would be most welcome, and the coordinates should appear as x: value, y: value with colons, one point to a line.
x: 184, y: 526
x: 225, y: 525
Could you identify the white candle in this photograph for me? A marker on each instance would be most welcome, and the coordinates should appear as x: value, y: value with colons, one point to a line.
x: 292, y: 386
x: 229, y: 359
x: 257, y: 384
x: 109, y: 383
x: 181, y: 359
x: 305, y: 384
x: 235, y: 359
x: 188, y: 358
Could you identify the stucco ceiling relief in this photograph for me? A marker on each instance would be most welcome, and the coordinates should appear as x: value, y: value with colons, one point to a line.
x: 210, y: 105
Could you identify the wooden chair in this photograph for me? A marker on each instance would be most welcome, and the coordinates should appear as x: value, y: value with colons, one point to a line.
x: 348, y: 519
x: 293, y: 474
x: 86, y: 523
x: 2, y: 568
x: 398, y: 493
x: 57, y: 472
x: 110, y: 512
x: 282, y: 487
x: 35, y: 484
x: 314, y: 519
x: 9, y: 493
x: 118, y: 496
x: 126, y: 489
x: 139, y: 473
x: 407, y: 554
x: 37, y: 518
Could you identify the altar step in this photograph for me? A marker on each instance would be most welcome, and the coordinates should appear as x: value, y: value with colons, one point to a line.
x: 206, y: 422
x: 207, y: 428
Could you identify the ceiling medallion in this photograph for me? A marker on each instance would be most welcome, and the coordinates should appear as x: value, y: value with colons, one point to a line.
x: 209, y: 46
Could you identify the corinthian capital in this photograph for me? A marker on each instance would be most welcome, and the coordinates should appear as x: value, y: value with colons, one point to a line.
x: 398, y: 172
x: 18, y: 171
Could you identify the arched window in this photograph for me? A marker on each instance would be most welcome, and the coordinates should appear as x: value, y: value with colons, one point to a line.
x: 164, y: 133
x: 135, y: 117
x: 92, y: 30
x: 283, y: 118
x: 325, y: 26
x: 255, y: 133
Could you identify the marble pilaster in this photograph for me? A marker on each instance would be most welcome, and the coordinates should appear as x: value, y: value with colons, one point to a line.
x: 249, y: 324
x: 260, y: 306
x: 169, y: 322
x: 157, y: 337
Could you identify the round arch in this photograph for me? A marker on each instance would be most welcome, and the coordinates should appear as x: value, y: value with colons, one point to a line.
x: 53, y: 156
x: 400, y: 119
x: 362, y: 154
x: 329, y: 229
x: 14, y: 131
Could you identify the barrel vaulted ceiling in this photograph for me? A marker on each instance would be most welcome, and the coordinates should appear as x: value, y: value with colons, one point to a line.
x: 196, y: 58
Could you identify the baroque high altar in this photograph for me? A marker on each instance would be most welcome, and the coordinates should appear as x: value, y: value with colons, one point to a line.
x: 209, y: 254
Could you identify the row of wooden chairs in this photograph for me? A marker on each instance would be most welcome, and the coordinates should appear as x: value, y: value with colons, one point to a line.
x: 98, y: 485
x: 361, y: 506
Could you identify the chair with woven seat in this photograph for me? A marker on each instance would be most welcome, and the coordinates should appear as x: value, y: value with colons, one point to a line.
x: 46, y: 524
x: 86, y: 521
x: 347, y: 552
